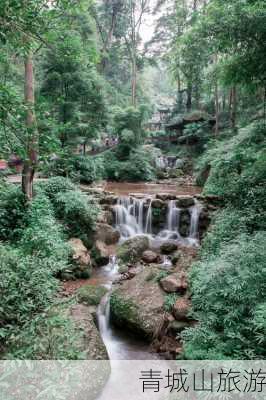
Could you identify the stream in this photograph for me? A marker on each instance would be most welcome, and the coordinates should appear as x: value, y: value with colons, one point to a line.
x: 133, y: 217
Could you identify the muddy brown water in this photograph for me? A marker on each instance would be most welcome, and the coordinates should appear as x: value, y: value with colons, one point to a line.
x: 150, y: 189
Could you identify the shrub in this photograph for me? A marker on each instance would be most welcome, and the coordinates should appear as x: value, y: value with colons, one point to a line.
x: 169, y: 301
x: 226, y: 226
x: 139, y: 167
x: 51, y: 335
x: 86, y: 169
x: 43, y: 236
x: 27, y: 286
x: 12, y: 212
x: 79, y: 168
x: 77, y: 211
x: 112, y: 166
x: 56, y: 185
x: 228, y: 301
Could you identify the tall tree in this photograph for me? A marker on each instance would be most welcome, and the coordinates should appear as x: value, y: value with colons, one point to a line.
x: 136, y: 14
x: 26, y: 26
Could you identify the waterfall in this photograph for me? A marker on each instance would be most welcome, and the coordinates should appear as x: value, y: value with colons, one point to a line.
x: 133, y: 217
x: 103, y: 315
x: 148, y: 226
x: 130, y: 217
x: 194, y: 221
x: 173, y: 216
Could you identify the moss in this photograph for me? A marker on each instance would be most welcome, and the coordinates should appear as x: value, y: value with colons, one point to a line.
x: 91, y: 295
x: 123, y: 269
x: 124, y: 313
x: 131, y: 250
x: 169, y: 301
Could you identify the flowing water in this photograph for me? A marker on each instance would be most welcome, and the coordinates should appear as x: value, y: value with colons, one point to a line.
x: 133, y: 216
x: 120, y: 346
x: 149, y: 189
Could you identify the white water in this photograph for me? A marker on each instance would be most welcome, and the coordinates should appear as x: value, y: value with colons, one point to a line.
x: 195, y: 212
x: 173, y: 217
x: 148, y: 225
x: 131, y: 218
x: 134, y: 217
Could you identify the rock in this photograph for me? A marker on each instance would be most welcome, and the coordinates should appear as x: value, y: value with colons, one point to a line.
x: 81, y: 255
x: 150, y: 257
x: 101, y: 253
x: 157, y: 203
x: 175, y: 283
x: 179, y: 163
x: 90, y: 341
x: 168, y: 247
x: 175, y: 257
x: 138, y: 305
x: 109, y: 199
x: 132, y: 249
x: 177, y: 327
x: 181, y: 308
x: 105, y: 217
x: 184, y: 223
x: 67, y: 276
x: 165, y: 196
x: 106, y: 234
x: 185, y: 201
x: 91, y: 295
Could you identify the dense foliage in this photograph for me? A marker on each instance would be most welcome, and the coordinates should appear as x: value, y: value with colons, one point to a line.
x: 228, y: 283
x: 35, y: 252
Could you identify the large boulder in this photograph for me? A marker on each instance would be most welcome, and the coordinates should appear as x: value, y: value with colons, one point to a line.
x: 181, y: 308
x: 105, y: 217
x: 168, y: 247
x: 138, y: 305
x: 91, y: 295
x: 81, y: 255
x: 157, y: 203
x: 132, y: 249
x: 109, y: 200
x: 175, y: 283
x: 101, y: 253
x: 106, y: 234
x: 165, y: 196
x: 149, y: 257
x: 185, y: 201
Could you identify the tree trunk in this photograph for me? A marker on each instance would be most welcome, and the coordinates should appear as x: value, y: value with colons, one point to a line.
x: 189, y: 97
x: 180, y: 95
x: 217, y: 109
x: 30, y: 163
x: 134, y: 81
x: 233, y: 108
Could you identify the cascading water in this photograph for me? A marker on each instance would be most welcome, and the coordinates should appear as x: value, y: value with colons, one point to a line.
x: 173, y: 216
x: 134, y: 217
x: 148, y: 225
x: 194, y: 221
x: 131, y: 218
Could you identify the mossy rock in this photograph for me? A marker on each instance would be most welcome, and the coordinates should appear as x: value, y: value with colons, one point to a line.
x: 131, y: 250
x: 91, y: 295
x: 122, y: 269
x: 124, y: 313
x: 137, y: 304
